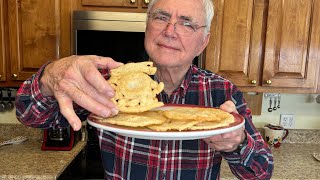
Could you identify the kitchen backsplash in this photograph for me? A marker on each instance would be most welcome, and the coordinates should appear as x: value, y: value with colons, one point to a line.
x: 8, y: 117
x: 304, y: 107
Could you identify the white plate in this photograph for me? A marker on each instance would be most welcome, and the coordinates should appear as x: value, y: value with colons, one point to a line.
x: 145, y: 133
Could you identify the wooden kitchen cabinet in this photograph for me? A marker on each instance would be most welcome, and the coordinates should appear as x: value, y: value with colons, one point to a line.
x: 115, y: 5
x: 2, y: 42
x: 266, y: 46
x: 290, y: 58
x: 38, y: 31
x: 228, y: 51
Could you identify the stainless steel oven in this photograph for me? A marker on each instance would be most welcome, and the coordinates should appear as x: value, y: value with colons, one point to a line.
x: 117, y: 35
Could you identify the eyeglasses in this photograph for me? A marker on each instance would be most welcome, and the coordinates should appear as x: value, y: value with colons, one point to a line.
x: 161, y: 21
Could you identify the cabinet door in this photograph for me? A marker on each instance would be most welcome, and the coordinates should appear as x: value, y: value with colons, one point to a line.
x: 34, y: 33
x: 290, y: 28
x: 315, y: 41
x: 235, y: 44
x: 2, y: 43
x: 111, y: 3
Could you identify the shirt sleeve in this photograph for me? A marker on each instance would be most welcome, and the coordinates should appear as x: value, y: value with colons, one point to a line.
x: 35, y: 110
x: 254, y: 160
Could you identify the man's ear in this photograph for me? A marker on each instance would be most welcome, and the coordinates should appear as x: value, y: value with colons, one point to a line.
x: 204, y: 43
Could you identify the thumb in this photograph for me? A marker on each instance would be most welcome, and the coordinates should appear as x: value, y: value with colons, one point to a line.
x: 229, y: 107
x: 107, y: 63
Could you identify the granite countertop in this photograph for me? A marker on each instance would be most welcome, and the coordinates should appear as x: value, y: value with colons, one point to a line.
x: 291, y: 161
x: 27, y: 161
x: 295, y: 161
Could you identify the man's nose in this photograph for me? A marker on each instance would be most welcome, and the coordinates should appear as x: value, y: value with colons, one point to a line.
x: 171, y: 25
x: 170, y: 29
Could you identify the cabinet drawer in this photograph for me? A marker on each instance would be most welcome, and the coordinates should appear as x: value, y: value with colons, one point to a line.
x: 111, y: 3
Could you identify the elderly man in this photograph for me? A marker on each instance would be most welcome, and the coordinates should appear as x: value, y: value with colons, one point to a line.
x: 177, y: 31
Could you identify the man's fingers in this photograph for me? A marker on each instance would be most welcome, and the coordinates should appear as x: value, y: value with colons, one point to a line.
x: 229, y: 107
x: 107, y: 63
x: 95, y: 94
x: 77, y: 79
x: 215, y: 138
x: 66, y: 109
x: 226, y: 142
x: 93, y: 76
x: 104, y: 62
x: 220, y: 146
x: 92, y: 105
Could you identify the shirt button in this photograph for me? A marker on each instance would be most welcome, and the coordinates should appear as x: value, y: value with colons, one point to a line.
x: 164, y: 143
x: 163, y: 176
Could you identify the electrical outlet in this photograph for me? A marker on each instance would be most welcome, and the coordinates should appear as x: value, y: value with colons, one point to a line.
x: 287, y: 121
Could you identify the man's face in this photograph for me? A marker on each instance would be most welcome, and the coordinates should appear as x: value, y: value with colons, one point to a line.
x: 169, y: 47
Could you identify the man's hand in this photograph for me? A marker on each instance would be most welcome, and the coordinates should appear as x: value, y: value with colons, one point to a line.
x: 230, y: 141
x: 77, y: 79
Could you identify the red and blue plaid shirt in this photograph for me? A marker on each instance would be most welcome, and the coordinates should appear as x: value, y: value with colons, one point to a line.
x: 136, y: 159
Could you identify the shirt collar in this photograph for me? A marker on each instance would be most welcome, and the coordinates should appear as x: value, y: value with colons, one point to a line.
x: 182, y: 90
x: 187, y: 80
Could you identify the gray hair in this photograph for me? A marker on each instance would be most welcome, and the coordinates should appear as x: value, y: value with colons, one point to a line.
x: 208, y: 10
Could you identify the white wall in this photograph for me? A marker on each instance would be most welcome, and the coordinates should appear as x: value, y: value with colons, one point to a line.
x: 8, y: 117
x: 303, y: 106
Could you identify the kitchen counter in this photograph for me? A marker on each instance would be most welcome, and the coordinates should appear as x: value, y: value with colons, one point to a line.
x: 291, y: 161
x: 27, y: 161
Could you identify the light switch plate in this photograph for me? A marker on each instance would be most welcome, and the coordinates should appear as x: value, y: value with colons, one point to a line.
x: 287, y: 121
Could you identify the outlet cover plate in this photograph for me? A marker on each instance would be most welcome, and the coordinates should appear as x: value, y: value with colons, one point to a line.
x: 287, y: 121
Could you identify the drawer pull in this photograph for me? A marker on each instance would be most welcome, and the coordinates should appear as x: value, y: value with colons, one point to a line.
x: 14, y: 76
x: 268, y: 82
x: 253, y: 82
x: 132, y: 1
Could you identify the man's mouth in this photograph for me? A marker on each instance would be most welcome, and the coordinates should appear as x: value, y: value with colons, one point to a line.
x: 167, y: 47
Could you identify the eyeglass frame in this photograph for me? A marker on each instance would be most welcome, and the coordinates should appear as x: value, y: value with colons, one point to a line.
x: 193, y: 26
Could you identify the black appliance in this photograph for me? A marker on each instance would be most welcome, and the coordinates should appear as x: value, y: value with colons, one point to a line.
x: 59, y: 139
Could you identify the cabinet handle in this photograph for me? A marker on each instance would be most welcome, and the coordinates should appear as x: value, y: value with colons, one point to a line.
x: 132, y: 1
x: 268, y: 82
x: 253, y: 82
x: 146, y: 1
x: 14, y: 76
x: 0, y: 76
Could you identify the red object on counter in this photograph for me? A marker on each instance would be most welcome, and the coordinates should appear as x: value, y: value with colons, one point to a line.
x: 61, y: 139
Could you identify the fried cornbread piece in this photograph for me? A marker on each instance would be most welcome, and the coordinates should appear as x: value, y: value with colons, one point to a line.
x: 145, y: 67
x: 180, y: 125
x: 135, y: 91
x: 157, y: 120
x: 194, y: 118
x: 136, y: 119
x: 212, y: 124
x: 197, y: 113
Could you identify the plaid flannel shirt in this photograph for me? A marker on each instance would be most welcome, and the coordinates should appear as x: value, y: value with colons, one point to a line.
x: 136, y: 159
